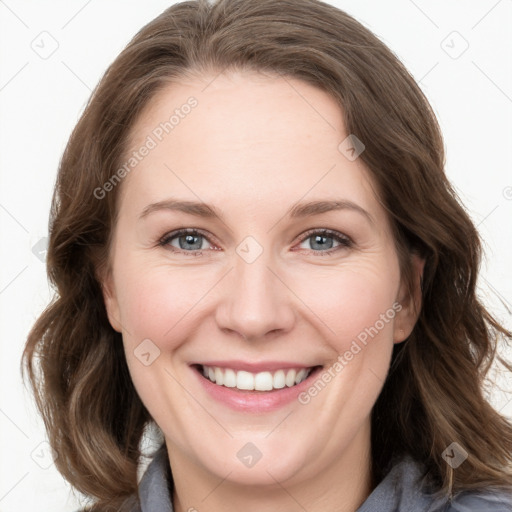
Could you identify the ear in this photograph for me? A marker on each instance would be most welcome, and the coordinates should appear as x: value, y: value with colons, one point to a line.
x: 411, y: 303
x: 111, y: 302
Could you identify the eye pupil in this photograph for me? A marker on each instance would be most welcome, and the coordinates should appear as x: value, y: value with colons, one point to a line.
x: 320, y: 241
x: 189, y: 239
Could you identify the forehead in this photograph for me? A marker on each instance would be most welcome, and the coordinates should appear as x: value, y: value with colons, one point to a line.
x: 244, y: 138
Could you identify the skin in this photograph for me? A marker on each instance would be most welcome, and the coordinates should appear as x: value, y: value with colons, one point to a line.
x: 254, y: 146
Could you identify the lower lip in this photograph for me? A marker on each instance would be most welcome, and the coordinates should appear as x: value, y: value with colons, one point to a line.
x: 254, y: 401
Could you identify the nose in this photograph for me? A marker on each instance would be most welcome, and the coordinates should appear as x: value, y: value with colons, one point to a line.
x: 255, y: 301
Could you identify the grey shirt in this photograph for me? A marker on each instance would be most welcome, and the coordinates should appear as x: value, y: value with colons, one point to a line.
x: 403, y: 489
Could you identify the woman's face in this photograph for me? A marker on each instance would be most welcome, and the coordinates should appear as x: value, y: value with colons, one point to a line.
x: 257, y: 294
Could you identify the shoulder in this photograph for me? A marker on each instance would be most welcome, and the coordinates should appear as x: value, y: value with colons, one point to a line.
x: 490, y: 500
x: 407, y: 488
x: 129, y: 505
x: 153, y: 490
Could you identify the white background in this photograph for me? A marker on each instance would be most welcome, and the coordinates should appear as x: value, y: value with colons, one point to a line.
x: 42, y: 98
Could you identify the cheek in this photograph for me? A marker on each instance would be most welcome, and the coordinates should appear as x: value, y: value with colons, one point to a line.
x: 155, y: 299
x: 352, y: 300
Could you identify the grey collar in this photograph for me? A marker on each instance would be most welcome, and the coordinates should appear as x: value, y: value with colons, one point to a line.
x: 403, y: 489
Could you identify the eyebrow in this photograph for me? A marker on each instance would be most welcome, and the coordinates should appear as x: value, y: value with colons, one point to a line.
x: 298, y: 210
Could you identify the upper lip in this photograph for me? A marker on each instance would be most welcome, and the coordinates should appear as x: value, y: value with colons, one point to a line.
x: 252, y: 367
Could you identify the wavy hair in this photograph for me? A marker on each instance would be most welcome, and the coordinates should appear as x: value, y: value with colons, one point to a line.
x: 434, y: 392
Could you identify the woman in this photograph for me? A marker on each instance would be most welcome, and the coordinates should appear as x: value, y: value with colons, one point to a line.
x: 324, y: 348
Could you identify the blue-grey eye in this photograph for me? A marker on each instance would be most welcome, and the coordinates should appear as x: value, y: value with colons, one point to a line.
x: 321, y: 241
x: 193, y: 242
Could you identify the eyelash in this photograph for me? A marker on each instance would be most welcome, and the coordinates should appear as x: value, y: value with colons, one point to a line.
x: 344, y: 241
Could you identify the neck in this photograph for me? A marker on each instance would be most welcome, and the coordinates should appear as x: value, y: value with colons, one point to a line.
x: 343, y: 484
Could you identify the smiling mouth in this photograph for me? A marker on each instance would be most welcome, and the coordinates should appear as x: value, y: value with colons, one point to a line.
x: 262, y: 381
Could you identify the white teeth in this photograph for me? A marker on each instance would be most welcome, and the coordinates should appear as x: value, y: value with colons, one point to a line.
x: 229, y: 378
x: 279, y: 379
x: 219, y: 376
x: 262, y: 381
x: 300, y: 376
x: 244, y: 380
x: 290, y: 378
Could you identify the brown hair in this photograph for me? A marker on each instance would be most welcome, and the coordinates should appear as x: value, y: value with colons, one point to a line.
x: 433, y: 395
